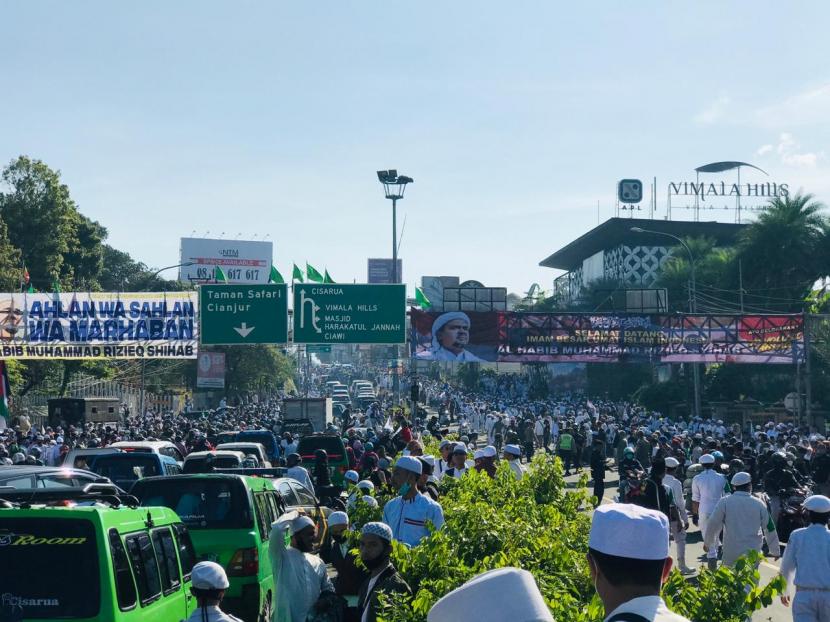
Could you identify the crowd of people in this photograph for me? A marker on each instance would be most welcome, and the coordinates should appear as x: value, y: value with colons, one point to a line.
x: 652, y: 454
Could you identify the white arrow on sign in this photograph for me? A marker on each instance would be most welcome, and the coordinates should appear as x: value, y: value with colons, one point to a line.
x: 243, y: 330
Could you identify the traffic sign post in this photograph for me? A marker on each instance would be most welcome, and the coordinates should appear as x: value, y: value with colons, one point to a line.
x: 318, y: 349
x: 333, y: 313
x: 243, y: 314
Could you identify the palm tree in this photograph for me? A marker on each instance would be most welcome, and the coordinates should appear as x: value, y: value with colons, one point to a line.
x: 784, y: 252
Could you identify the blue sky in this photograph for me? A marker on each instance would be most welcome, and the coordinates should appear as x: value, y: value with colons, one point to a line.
x: 513, y: 118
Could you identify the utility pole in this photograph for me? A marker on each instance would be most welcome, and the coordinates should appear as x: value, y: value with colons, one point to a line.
x: 808, y: 383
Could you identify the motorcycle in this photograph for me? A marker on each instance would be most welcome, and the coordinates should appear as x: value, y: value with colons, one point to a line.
x: 792, y: 515
x: 632, y: 485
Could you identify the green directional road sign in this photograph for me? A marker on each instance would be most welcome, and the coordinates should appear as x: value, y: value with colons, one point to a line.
x: 333, y: 313
x: 243, y: 314
x: 318, y: 349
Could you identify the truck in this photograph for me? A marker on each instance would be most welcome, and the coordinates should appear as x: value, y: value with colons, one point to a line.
x: 306, y: 415
x: 77, y: 411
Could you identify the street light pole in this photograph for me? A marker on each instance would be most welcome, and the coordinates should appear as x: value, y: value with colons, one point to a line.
x: 394, y: 239
x: 394, y: 186
x: 692, y: 304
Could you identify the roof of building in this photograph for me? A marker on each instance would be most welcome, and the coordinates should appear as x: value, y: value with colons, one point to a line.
x: 616, y: 231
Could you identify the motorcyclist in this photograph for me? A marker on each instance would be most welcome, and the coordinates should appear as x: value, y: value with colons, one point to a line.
x: 779, y: 478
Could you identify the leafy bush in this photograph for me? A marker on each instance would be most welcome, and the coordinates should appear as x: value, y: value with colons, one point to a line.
x: 539, y: 525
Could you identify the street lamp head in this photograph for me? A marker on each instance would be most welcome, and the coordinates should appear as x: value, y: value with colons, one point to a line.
x: 394, y: 185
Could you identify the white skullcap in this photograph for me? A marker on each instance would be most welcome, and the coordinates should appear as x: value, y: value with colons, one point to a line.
x: 352, y: 476
x: 338, y: 518
x: 741, y: 478
x: 371, y: 501
x: 300, y: 523
x: 672, y: 463
x: 479, y: 453
x: 442, y: 319
x: 409, y: 463
x: 489, y: 451
x: 707, y: 459
x: 494, y: 596
x: 627, y: 530
x: 381, y: 530
x: 209, y: 576
x: 513, y: 449
x: 817, y: 503
x: 430, y: 460
x: 365, y: 484
x: 444, y: 443
x: 460, y: 448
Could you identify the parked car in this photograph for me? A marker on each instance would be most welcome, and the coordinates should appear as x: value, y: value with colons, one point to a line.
x: 266, y: 437
x: 230, y: 519
x: 165, y: 448
x: 125, y: 468
x: 40, y: 477
x: 207, y: 461
x: 80, y: 457
x: 257, y: 450
x: 334, y: 448
x: 97, y: 560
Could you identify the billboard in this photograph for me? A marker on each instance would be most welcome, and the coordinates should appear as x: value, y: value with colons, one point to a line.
x: 379, y: 271
x: 85, y: 325
x: 241, y: 261
x: 433, y: 287
x: 606, y: 338
x: 210, y: 372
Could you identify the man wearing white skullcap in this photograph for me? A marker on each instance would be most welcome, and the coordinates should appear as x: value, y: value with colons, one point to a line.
x: 743, y: 519
x: 806, y: 564
x: 450, y: 337
x: 513, y: 453
x: 208, y: 583
x: 299, y: 576
x: 408, y: 514
x: 707, y: 489
x: 375, y: 551
x: 681, y: 526
x: 494, y: 596
x: 628, y: 554
x: 338, y: 554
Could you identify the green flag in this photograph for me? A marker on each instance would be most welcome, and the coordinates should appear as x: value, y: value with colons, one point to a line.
x: 327, y: 278
x: 276, y: 277
x: 421, y: 299
x: 297, y: 274
x: 56, y: 286
x: 31, y: 290
x: 5, y: 392
x: 312, y: 274
x: 219, y: 276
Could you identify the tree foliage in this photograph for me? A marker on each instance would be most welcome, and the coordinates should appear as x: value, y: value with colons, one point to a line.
x: 542, y: 526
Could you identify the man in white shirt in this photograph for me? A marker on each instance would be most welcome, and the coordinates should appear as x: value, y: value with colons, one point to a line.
x: 628, y: 570
x: 295, y: 471
x: 707, y: 489
x: 513, y: 455
x: 678, y: 527
x: 806, y: 564
x: 743, y: 518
